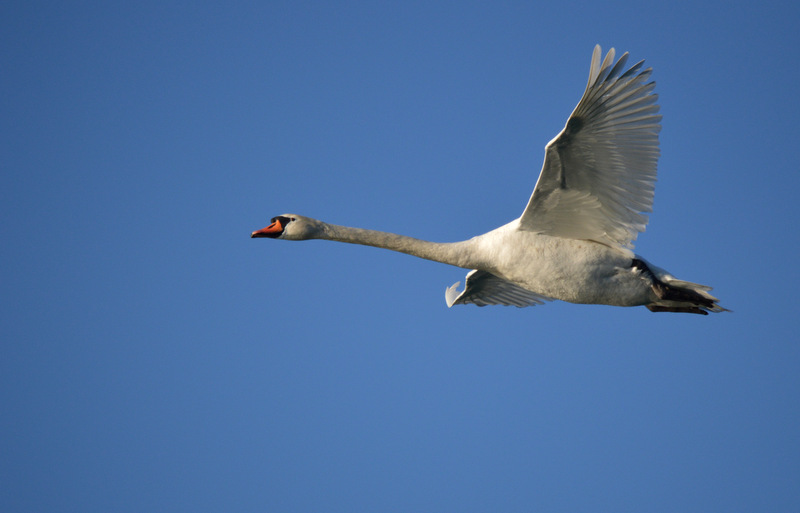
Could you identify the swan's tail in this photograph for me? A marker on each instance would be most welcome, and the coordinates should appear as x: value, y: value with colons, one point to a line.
x: 676, y: 295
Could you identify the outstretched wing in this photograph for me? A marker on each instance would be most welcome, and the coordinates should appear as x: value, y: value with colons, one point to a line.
x: 483, y: 288
x: 599, y: 173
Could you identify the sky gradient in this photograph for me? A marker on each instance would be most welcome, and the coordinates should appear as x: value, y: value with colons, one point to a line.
x: 154, y: 357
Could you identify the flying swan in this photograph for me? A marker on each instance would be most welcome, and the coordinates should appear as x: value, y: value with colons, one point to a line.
x: 574, y: 239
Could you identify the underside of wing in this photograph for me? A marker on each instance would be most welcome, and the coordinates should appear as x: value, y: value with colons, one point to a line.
x: 483, y: 288
x: 599, y: 173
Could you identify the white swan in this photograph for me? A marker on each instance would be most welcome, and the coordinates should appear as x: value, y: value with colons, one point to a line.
x: 573, y: 240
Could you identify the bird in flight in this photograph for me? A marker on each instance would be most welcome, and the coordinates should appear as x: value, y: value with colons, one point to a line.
x: 574, y: 240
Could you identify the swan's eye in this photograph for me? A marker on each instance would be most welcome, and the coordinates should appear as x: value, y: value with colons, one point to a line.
x: 283, y: 220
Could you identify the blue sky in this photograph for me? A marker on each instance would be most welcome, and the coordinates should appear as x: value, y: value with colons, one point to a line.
x: 154, y: 357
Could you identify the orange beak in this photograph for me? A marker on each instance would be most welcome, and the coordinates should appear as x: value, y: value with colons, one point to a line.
x: 271, y: 231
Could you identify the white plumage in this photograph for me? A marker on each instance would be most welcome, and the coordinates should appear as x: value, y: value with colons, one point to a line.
x: 573, y: 240
x: 599, y: 172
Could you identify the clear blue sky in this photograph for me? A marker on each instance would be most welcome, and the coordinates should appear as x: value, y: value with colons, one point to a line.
x: 155, y: 358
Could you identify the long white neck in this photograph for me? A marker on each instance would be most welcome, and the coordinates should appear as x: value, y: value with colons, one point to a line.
x: 459, y: 254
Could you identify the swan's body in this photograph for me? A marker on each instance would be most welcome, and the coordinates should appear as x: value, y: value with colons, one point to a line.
x: 572, y: 241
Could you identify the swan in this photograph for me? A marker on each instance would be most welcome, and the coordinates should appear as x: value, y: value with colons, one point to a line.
x: 574, y: 240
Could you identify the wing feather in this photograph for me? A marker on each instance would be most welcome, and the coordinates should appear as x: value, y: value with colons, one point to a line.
x: 483, y: 288
x: 598, y: 177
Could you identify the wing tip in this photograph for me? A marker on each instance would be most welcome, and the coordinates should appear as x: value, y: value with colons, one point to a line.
x: 451, y: 294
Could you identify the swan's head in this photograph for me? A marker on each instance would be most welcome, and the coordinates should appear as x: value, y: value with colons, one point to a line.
x: 290, y: 227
